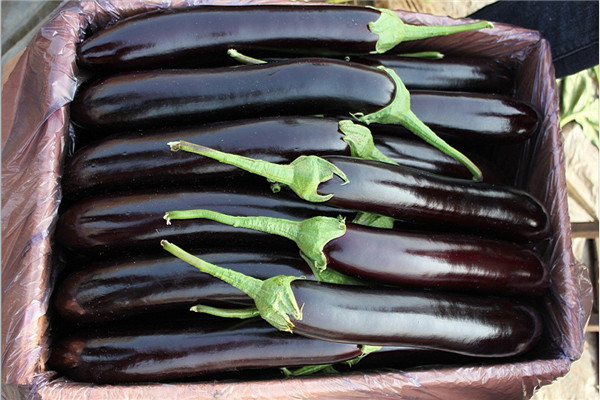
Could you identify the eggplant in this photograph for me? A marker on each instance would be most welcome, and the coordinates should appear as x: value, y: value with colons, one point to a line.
x: 406, y: 194
x: 112, y: 224
x: 472, y: 325
x: 392, y: 257
x: 166, y: 354
x: 143, y: 159
x: 426, y: 199
x: 167, y: 97
x: 136, y: 285
x: 455, y: 74
x: 300, y: 87
x: 202, y: 36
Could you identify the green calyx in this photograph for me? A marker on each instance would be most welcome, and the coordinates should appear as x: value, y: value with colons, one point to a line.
x: 311, y: 235
x: 329, y: 275
x: 361, y: 143
x: 303, y: 175
x: 393, y: 31
x: 329, y: 368
x: 374, y: 220
x: 393, y: 112
x: 399, y: 112
x: 273, y: 297
x: 277, y: 303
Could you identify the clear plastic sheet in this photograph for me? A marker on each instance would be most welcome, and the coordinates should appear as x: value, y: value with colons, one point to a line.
x: 35, y: 134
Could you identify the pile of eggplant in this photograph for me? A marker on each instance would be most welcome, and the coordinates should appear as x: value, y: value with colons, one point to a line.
x: 310, y: 205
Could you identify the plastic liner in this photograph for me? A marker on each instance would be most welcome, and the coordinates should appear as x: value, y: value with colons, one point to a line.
x: 35, y: 137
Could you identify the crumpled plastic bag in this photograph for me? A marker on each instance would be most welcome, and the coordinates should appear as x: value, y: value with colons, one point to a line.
x: 35, y: 138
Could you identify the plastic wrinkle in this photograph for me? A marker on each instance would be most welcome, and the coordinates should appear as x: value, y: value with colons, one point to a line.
x: 35, y: 134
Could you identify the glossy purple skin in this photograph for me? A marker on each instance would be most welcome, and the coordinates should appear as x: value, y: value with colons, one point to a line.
x: 437, y: 260
x: 139, y: 285
x: 165, y: 354
x: 418, y: 197
x: 471, y: 117
x: 480, y: 326
x: 124, y: 222
x: 166, y: 97
x: 460, y: 74
x: 143, y: 160
x: 203, y: 36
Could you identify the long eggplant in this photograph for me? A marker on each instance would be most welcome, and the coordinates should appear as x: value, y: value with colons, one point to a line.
x: 462, y: 74
x: 167, y: 97
x: 410, y: 259
x: 483, y: 326
x: 143, y: 159
x: 202, y: 36
x: 165, y: 354
x: 407, y: 194
x: 300, y: 87
x: 121, y: 223
x: 138, y: 285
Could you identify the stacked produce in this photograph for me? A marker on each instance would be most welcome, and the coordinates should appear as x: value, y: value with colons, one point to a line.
x: 365, y: 240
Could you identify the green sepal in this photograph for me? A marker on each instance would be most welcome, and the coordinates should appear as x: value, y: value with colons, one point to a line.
x: 393, y: 112
x: 241, y: 313
x: 329, y: 368
x: 314, y: 235
x: 329, y: 275
x: 276, y: 303
x: 390, y: 29
x: 374, y: 220
x: 309, y: 370
x: 365, y: 351
x: 309, y: 173
x: 361, y: 143
x: 303, y: 175
x: 393, y: 31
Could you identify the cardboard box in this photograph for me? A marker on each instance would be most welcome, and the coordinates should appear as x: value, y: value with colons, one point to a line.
x: 34, y: 143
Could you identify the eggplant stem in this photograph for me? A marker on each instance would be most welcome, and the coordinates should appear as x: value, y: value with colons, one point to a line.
x: 362, y: 145
x: 416, y: 32
x: 436, y: 55
x: 310, y: 235
x: 303, y: 175
x: 244, y: 59
x: 241, y: 313
x: 247, y: 284
x: 309, y: 370
x: 392, y: 30
x: 273, y: 297
x: 273, y: 172
x: 399, y: 112
x: 415, y: 125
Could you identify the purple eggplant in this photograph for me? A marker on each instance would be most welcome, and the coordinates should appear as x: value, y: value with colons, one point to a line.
x: 166, y: 354
x: 202, y: 36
